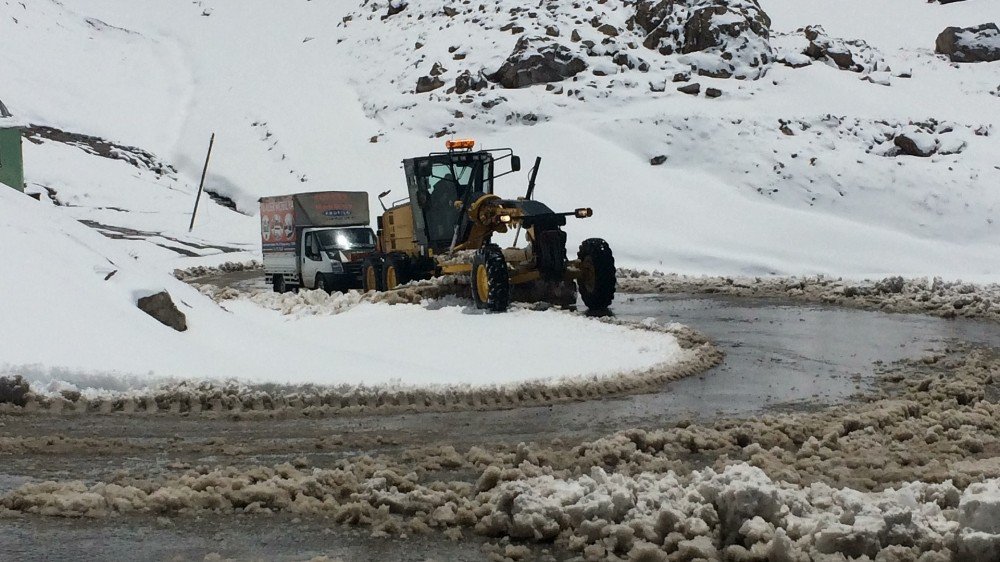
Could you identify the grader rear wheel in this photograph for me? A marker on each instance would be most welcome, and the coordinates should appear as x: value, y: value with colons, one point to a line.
x: 395, y: 271
x: 371, y: 274
x: 490, y: 279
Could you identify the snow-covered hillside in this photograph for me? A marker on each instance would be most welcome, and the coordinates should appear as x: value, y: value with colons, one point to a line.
x: 822, y: 139
x: 795, y: 172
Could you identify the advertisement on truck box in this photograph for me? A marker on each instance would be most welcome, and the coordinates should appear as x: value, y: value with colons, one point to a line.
x: 281, y: 216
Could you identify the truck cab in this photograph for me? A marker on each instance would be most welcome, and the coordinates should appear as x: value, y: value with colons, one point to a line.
x: 331, y: 258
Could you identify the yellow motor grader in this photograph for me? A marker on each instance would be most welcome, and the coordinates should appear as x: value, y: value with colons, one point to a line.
x: 446, y: 223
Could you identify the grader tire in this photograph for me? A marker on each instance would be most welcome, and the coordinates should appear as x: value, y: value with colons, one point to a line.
x: 597, y: 281
x: 490, y: 279
x: 395, y: 271
x: 371, y: 274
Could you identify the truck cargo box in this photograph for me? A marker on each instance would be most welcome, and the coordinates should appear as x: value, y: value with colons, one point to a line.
x: 282, y: 216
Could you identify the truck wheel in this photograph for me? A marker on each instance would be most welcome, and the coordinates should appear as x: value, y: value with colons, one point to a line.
x: 490, y: 279
x: 323, y: 282
x: 278, y: 284
x: 395, y: 271
x: 371, y: 274
x: 597, y: 280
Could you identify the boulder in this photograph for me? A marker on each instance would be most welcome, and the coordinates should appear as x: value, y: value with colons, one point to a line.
x: 970, y: 44
x: 428, y: 83
x: 692, y: 89
x: 161, y: 307
x: 916, y: 143
x: 657, y: 160
x: 736, y: 32
x: 466, y: 82
x: 538, y: 60
x: 395, y: 7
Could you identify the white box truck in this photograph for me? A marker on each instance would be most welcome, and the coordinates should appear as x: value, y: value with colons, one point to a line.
x: 315, y: 240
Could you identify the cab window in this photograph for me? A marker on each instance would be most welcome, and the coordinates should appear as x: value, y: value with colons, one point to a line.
x: 312, y: 247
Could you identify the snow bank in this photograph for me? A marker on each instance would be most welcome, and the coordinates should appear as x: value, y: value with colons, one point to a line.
x: 948, y: 299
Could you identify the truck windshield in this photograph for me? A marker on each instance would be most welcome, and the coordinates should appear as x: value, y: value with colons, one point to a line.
x: 346, y: 238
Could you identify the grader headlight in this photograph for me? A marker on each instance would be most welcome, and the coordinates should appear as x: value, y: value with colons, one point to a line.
x: 584, y: 213
x: 505, y: 219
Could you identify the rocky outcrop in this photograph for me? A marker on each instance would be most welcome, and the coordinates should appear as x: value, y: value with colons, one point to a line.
x: 161, y: 307
x: 14, y: 390
x: 852, y: 55
x: 734, y: 33
x: 538, y: 60
x: 970, y: 44
x: 927, y: 139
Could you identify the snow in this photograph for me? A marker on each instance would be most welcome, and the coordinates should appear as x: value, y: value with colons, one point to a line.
x: 732, y: 193
x: 84, y: 287
x: 791, y: 173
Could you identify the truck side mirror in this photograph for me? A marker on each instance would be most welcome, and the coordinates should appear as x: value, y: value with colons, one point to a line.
x: 515, y: 163
x: 423, y: 169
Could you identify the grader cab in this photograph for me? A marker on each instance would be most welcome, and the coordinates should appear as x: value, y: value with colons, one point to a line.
x: 446, y: 225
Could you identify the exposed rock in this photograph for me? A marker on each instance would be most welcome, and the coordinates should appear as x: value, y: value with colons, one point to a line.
x: 914, y: 142
x: 428, y: 83
x: 438, y: 69
x: 713, y: 92
x: 735, y: 31
x: 14, y: 390
x: 853, y: 55
x: 537, y: 60
x: 466, y: 82
x: 395, y: 7
x: 631, y: 62
x: 609, y: 30
x: 692, y: 89
x: 657, y: 160
x: 970, y: 44
x: 161, y: 307
x: 683, y: 76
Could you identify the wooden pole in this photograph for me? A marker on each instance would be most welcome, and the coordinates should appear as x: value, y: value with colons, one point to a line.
x: 201, y: 185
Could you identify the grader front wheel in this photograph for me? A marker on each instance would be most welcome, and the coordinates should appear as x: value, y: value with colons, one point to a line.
x: 597, y: 281
x: 490, y: 279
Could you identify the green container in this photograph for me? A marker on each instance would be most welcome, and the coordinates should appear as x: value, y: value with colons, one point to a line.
x: 11, y: 158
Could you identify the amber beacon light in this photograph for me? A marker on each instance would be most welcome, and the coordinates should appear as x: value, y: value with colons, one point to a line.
x: 460, y: 144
